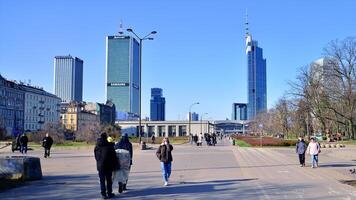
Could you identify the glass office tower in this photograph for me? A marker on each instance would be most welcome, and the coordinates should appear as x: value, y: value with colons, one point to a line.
x: 158, y: 103
x: 257, y: 86
x: 122, y: 73
x: 68, y: 78
x: 239, y: 111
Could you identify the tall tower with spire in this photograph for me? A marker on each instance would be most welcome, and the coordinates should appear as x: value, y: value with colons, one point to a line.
x: 256, y: 76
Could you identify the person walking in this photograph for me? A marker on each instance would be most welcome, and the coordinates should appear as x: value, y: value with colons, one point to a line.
x: 200, y: 139
x: 124, y: 172
x: 106, y: 163
x: 300, y: 150
x: 47, y: 142
x: 164, y: 154
x: 313, y: 150
x: 23, y: 144
x: 153, y: 138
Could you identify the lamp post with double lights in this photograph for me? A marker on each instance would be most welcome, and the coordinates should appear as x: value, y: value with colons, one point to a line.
x: 141, y: 39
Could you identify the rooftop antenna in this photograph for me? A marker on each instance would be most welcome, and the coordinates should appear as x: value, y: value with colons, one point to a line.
x: 121, y: 29
x: 246, y: 24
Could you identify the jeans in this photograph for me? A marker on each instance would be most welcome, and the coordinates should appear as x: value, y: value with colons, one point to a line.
x: 166, y: 170
x: 302, y: 158
x: 105, y: 176
x: 23, y: 149
x: 314, y: 160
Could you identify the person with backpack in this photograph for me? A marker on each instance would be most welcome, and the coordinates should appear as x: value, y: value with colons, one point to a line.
x: 125, y: 167
x: 106, y: 163
x: 164, y: 154
x: 301, y: 147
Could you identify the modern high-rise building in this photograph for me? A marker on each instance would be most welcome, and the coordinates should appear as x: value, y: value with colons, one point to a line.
x: 257, y: 86
x: 158, y: 104
x: 68, y: 78
x: 122, y: 73
x: 239, y: 111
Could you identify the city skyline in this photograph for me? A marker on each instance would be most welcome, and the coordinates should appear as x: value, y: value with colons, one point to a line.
x: 176, y: 69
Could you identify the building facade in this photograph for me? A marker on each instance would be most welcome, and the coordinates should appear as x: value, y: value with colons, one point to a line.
x: 11, y: 108
x: 74, y: 117
x: 239, y: 111
x: 122, y: 73
x: 257, y: 85
x: 165, y: 128
x: 40, y: 107
x: 68, y: 78
x: 106, y: 112
x: 158, y: 105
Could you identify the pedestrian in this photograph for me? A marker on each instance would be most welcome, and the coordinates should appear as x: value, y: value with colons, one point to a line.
x: 47, y: 142
x: 200, y: 139
x: 153, y: 138
x: 124, y: 171
x: 23, y: 143
x: 106, y: 163
x: 214, y: 139
x: 195, y: 138
x: 164, y: 154
x: 313, y: 150
x: 300, y: 150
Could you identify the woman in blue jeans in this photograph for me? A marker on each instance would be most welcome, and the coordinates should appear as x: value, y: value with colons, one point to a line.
x: 164, y: 154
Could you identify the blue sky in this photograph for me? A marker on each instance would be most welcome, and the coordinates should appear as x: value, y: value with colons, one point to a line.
x: 197, y: 55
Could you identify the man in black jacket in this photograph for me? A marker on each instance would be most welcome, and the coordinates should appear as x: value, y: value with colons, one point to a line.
x: 106, y: 163
x: 23, y: 144
x: 47, y: 144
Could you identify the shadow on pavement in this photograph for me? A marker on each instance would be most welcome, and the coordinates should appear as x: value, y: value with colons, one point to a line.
x: 189, y: 188
x: 330, y: 165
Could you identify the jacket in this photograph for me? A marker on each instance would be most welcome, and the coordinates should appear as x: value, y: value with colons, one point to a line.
x: 24, y: 140
x: 164, y: 153
x: 105, y: 156
x: 300, y: 147
x: 313, y: 148
x: 47, y: 142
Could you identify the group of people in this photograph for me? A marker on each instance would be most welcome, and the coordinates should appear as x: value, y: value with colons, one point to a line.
x: 22, y: 144
x: 113, y: 162
x: 210, y: 139
x: 313, y: 149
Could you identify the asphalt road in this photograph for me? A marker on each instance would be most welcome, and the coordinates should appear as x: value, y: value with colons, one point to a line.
x: 220, y: 172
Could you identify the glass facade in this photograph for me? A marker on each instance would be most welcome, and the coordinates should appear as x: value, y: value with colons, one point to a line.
x: 239, y: 111
x: 257, y: 86
x: 158, y: 104
x: 68, y: 78
x: 122, y: 73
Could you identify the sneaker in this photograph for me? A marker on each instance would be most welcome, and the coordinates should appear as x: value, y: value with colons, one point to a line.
x: 166, y: 183
x: 124, y: 187
x: 103, y: 196
x: 301, y: 165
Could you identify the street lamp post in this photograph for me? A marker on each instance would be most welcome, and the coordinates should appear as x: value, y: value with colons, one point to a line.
x: 140, y: 72
x: 201, y: 122
x: 190, y: 116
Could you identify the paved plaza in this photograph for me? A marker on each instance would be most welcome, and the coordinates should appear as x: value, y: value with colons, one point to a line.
x: 220, y: 172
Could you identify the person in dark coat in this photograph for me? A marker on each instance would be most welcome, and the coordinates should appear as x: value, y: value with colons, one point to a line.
x: 124, y: 144
x: 23, y: 144
x: 47, y: 144
x: 301, y: 147
x: 106, y: 163
x: 164, y: 154
x: 153, y: 138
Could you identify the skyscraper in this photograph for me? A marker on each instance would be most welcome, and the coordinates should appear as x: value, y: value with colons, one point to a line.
x: 158, y: 104
x: 122, y: 73
x: 239, y: 111
x: 68, y: 78
x: 257, y: 87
